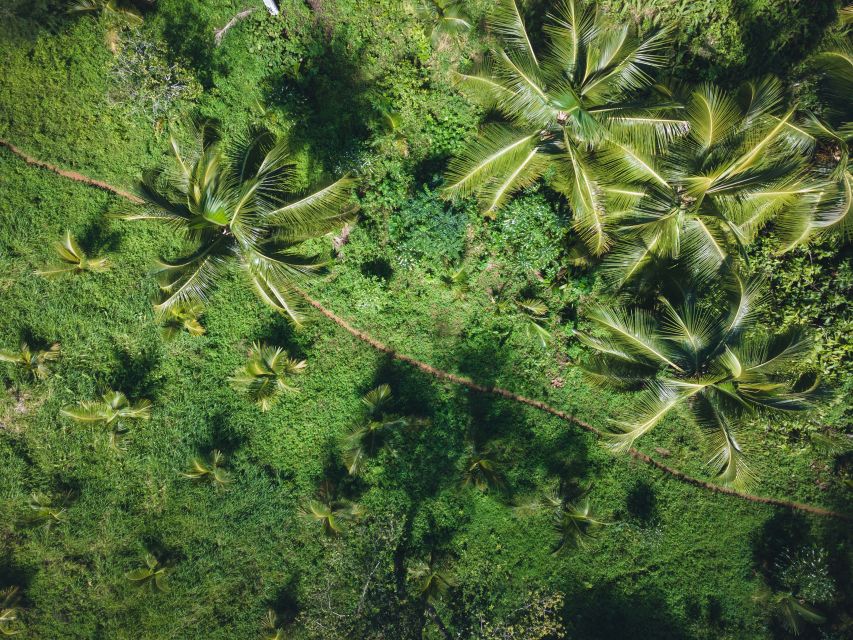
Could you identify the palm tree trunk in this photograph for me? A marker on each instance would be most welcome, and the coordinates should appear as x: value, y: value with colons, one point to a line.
x: 462, y: 381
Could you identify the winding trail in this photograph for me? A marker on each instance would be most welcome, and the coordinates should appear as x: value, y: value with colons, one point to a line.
x: 460, y: 380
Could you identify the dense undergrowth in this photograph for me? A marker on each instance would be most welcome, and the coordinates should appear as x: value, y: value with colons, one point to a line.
x: 361, y: 86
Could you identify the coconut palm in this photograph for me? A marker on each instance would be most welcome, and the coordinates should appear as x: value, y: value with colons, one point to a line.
x: 9, y: 611
x: 211, y: 470
x: 707, y: 196
x: 332, y: 512
x: 267, y: 374
x: 112, y: 411
x: 152, y: 576
x: 45, y: 510
x: 32, y: 361
x: 832, y: 132
x: 562, y: 105
x: 366, y: 439
x: 273, y: 629
x: 711, y: 360
x: 74, y: 259
x: 230, y: 205
x: 121, y: 9
x: 183, y: 317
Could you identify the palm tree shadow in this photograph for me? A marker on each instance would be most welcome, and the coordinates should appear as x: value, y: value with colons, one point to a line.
x: 135, y: 374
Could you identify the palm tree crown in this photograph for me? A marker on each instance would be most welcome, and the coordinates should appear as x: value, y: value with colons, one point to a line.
x: 705, y: 359
x: 231, y: 205
x: 561, y: 105
x: 33, y: 361
x: 364, y: 440
x: 266, y: 375
x: 707, y: 196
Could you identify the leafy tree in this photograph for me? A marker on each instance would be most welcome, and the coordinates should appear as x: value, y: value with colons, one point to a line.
x: 709, y: 193
x: 366, y: 439
x: 33, y: 361
x: 332, y: 512
x: 704, y: 357
x: 9, y: 611
x: 210, y: 470
x: 45, y: 511
x: 183, y: 317
x: 266, y: 375
x: 563, y: 105
x: 152, y: 576
x: 230, y: 204
x: 112, y: 410
x: 74, y: 259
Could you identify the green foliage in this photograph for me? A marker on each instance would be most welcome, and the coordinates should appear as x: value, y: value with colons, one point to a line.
x: 152, y: 576
x: 429, y: 231
x: 267, y: 375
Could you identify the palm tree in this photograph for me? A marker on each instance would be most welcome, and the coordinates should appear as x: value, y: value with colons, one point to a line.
x: 230, y: 204
x: 563, y: 105
x: 32, y: 361
x: 152, y: 576
x: 273, y: 630
x: 706, y: 358
x: 706, y: 197
x: 832, y: 132
x: 365, y: 440
x: 45, y: 511
x: 183, y: 317
x: 112, y: 410
x: 210, y: 470
x: 74, y: 259
x: 9, y: 611
x: 266, y: 375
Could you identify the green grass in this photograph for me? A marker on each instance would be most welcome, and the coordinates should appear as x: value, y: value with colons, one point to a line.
x: 673, y: 562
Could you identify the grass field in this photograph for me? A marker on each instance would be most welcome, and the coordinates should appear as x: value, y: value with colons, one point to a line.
x: 671, y: 560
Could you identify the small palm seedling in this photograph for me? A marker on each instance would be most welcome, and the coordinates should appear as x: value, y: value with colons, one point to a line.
x: 792, y: 612
x: 267, y: 375
x: 33, y: 361
x: 429, y: 581
x: 332, y: 513
x: 563, y: 105
x: 121, y: 9
x: 706, y: 358
x: 535, y: 314
x: 210, y: 470
x: 573, y: 519
x: 74, y: 259
x: 446, y: 19
x: 45, y: 511
x: 152, y: 576
x: 482, y: 470
x: 111, y: 411
x: 273, y: 629
x: 365, y: 440
x: 10, y: 611
x: 183, y: 317
x: 234, y: 207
